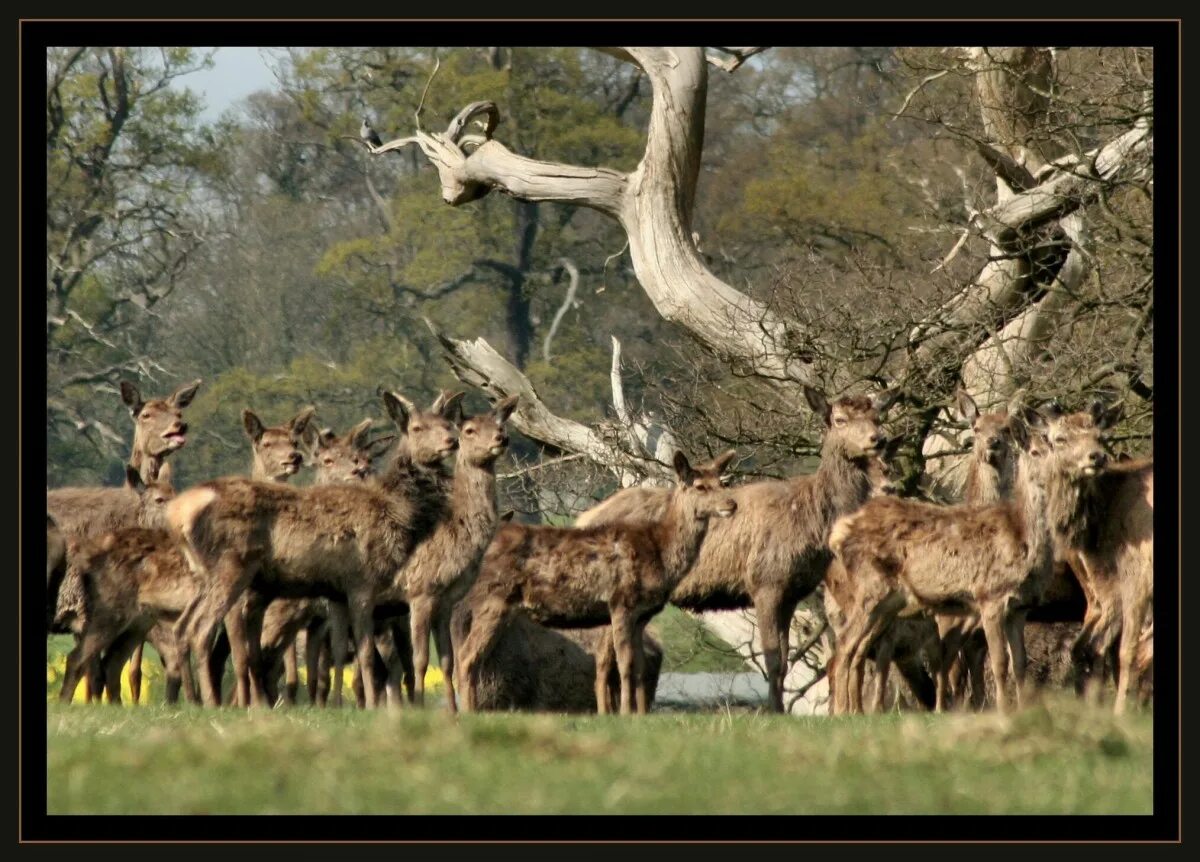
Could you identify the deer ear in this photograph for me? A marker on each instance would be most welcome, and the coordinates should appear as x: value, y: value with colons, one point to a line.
x: 449, y: 405
x: 183, y: 396
x: 378, y: 446
x: 252, y: 424
x: 300, y: 423
x: 1104, y: 417
x: 506, y: 407
x: 818, y: 402
x: 133, y: 479
x: 682, y: 468
x: 399, y: 408
x: 1049, y: 411
x: 722, y: 461
x: 358, y: 434
x: 507, y: 516
x: 966, y: 406
x: 132, y: 397
x: 881, y: 401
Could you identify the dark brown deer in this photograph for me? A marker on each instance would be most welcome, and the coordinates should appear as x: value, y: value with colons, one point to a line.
x: 56, y: 565
x: 621, y: 574
x: 1104, y: 529
x: 776, y: 552
x: 336, y: 541
x: 277, y: 453
x: 133, y: 578
x: 158, y: 431
x: 990, y: 562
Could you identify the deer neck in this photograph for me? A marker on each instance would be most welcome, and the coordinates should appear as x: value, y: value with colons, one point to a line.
x: 842, y: 481
x: 473, y: 499
x: 986, y: 484
x: 1070, y: 508
x: 146, y: 464
x: 1030, y: 503
x: 678, y: 535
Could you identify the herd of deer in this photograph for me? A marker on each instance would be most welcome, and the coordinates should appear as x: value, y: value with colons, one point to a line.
x: 377, y: 564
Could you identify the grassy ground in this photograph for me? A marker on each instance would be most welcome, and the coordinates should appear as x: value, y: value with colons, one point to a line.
x: 1061, y: 758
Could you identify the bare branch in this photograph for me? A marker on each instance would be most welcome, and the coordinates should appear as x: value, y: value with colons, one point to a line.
x: 567, y: 303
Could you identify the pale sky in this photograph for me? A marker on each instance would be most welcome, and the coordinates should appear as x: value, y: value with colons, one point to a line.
x: 237, y: 72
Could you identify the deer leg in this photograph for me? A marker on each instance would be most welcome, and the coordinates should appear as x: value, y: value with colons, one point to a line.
x: 114, y: 661
x: 291, y: 673
x: 949, y: 642
x: 314, y: 644
x: 767, y: 610
x: 402, y: 634
x: 87, y: 650
x: 605, y: 660
x: 135, y: 674
x: 997, y: 645
x: 486, y: 623
x: 362, y: 623
x: 385, y: 644
x: 420, y: 610
x: 230, y: 577
x: 235, y: 630
x: 1015, y: 633
x: 256, y: 608
x: 884, y: 648
x: 446, y: 656
x: 623, y: 633
x: 339, y: 637
x: 639, y: 667
x: 1133, y: 619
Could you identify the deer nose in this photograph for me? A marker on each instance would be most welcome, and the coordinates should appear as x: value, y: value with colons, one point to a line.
x: 877, y: 439
x: 1098, y: 459
x: 295, y: 458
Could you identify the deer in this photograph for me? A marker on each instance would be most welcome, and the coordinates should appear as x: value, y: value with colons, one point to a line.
x: 276, y: 455
x: 907, y: 643
x: 534, y: 668
x: 348, y: 542
x: 621, y: 574
x: 1104, y: 530
x: 336, y: 459
x: 776, y: 552
x: 80, y: 512
x: 991, y: 562
x: 56, y: 565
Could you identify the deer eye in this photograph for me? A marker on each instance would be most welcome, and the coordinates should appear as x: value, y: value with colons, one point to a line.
x: 839, y: 421
x: 160, y: 500
x: 469, y: 431
x: 1060, y: 439
x: 414, y: 427
x: 146, y: 415
x: 328, y: 461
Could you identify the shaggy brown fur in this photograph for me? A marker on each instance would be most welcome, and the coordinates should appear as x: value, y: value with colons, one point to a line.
x: 56, y: 565
x: 1104, y: 529
x: 776, y: 552
x: 621, y: 574
x: 133, y: 578
x: 89, y: 513
x: 538, y: 669
x: 989, y: 562
x: 337, y: 541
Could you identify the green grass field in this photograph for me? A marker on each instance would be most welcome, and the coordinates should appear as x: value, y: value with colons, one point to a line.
x: 1061, y: 758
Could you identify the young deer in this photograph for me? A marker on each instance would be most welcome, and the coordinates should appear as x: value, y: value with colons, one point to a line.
x: 442, y: 569
x: 336, y: 541
x: 622, y: 574
x: 776, y: 552
x: 277, y: 453
x: 159, y: 431
x: 989, y: 562
x: 1104, y: 529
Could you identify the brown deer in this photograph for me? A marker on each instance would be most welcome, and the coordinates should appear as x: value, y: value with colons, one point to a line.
x: 907, y: 643
x: 621, y: 574
x: 336, y: 541
x: 990, y: 562
x: 277, y: 453
x: 159, y: 431
x: 776, y: 552
x: 538, y: 669
x: 1104, y: 529
x: 56, y: 565
x: 133, y: 578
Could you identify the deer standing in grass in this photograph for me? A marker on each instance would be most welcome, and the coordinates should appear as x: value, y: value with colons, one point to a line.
x: 348, y: 542
x: 776, y: 552
x: 1104, y: 529
x: 991, y: 562
x: 621, y: 573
